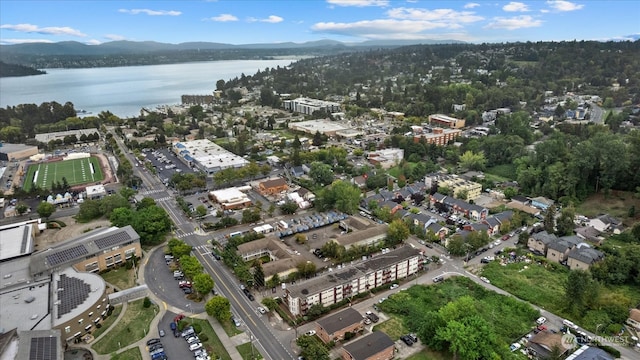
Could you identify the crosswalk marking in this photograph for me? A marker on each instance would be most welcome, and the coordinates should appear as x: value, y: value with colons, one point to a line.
x: 147, y: 192
x: 183, y: 235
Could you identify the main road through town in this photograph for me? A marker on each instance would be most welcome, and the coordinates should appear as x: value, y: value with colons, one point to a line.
x: 260, y: 332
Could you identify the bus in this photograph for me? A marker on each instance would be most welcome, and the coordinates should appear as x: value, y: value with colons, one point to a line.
x: 235, y: 233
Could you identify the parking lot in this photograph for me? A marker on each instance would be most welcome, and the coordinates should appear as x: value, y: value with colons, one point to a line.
x: 174, y: 347
x: 166, y: 162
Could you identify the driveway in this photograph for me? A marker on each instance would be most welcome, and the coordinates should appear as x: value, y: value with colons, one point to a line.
x: 159, y: 279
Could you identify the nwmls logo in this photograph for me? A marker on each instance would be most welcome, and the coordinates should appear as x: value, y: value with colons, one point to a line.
x: 569, y: 341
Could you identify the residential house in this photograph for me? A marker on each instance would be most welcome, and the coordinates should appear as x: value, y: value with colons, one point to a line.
x: 273, y: 186
x: 456, y: 184
x: 480, y: 227
x: 419, y: 220
x: 297, y: 171
x: 460, y: 207
x: 586, y: 352
x: 392, y: 206
x: 582, y: 257
x: 521, y: 200
x: 558, y: 250
x: 541, y: 202
x: 333, y: 327
x: 377, y: 345
x: 606, y: 223
x: 493, y: 223
x: 360, y: 181
x: 306, y: 194
x: 634, y: 319
x: 438, y: 230
x: 589, y: 234
x: 539, y: 242
x: 541, y: 345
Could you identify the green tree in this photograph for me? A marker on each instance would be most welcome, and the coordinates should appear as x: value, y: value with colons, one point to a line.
x: 201, y: 211
x: 321, y: 173
x: 397, y: 232
x: 21, y: 208
x: 289, y: 207
x: 250, y: 215
x: 203, y: 283
x: 258, y: 275
x: 579, y: 289
x: 219, y: 308
x: 472, y: 161
x: 549, y: 220
x: 565, y: 224
x: 190, y: 266
x: 45, y: 209
x: 179, y: 248
x: 312, y: 348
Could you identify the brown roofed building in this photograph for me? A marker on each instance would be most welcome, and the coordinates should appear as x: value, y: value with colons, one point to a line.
x: 273, y: 186
x: 542, y: 344
x: 634, y: 318
x: 371, y: 236
x: 333, y: 327
x: 282, y: 262
x: 377, y: 346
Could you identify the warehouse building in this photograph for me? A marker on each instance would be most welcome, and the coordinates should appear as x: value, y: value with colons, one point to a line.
x: 13, y: 152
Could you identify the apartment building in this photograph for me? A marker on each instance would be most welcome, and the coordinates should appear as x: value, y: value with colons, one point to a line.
x: 445, y: 121
x: 308, y: 106
x: 438, y: 136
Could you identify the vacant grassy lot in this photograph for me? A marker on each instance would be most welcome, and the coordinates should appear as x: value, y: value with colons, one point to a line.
x: 76, y: 171
x: 106, y: 324
x: 131, y: 354
x: 530, y: 282
x: 616, y: 204
x: 213, y: 343
x: 248, y: 351
x: 133, y: 326
x: 428, y: 354
x: 501, y: 172
x: 392, y: 327
x: 120, y: 278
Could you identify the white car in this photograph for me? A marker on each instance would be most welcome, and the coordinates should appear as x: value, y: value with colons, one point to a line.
x: 196, y: 346
x: 393, y: 286
x: 310, y: 333
x: 541, y: 320
x: 485, y: 280
x: 262, y: 310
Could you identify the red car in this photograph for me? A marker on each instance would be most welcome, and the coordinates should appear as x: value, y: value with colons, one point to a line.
x: 184, y: 284
x: 505, y: 237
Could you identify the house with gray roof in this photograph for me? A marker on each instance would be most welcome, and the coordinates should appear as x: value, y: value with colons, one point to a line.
x: 582, y: 257
x: 334, y: 326
x: 539, y: 242
x: 377, y: 345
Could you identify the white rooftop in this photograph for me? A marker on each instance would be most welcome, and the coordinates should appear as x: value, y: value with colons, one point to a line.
x: 16, y: 240
x: 228, y: 195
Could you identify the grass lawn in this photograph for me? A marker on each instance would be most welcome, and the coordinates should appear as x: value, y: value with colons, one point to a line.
x: 501, y: 172
x: 76, y: 171
x: 530, y: 282
x: 392, y: 327
x: 428, y: 354
x: 108, y: 321
x: 133, y: 326
x: 120, y: 278
x: 213, y: 343
x: 395, y: 171
x: 617, y: 204
x: 131, y: 354
x: 230, y: 328
x: 245, y: 351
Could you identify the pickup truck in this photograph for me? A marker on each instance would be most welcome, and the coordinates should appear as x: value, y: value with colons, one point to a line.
x: 373, y: 317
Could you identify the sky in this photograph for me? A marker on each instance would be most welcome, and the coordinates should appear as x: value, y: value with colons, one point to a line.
x: 351, y: 21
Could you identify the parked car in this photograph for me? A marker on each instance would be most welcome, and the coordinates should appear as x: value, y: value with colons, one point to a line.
x: 541, y: 320
x: 485, y: 279
x: 393, y: 286
x: 196, y: 346
x: 437, y: 279
x: 262, y: 310
x: 310, y: 333
x: 152, y: 341
x: 187, y: 290
x: 161, y: 332
x: 407, y: 340
x: 372, y: 316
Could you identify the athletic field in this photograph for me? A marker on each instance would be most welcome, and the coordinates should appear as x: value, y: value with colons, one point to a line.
x: 76, y: 171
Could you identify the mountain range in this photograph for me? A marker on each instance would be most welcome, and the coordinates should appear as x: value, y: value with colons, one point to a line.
x: 136, y: 47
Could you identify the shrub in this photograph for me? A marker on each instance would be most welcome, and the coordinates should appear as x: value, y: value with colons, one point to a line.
x: 147, y: 302
x: 203, y: 337
x: 197, y: 328
x: 129, y: 265
x: 348, y: 336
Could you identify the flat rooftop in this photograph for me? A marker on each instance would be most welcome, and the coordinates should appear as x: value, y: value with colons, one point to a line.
x: 311, y: 126
x: 8, y: 148
x: 25, y: 307
x: 16, y: 240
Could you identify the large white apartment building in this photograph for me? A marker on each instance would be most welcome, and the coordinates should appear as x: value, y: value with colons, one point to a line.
x: 307, y: 106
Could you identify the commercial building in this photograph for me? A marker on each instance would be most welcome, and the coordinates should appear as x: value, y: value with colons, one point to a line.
x: 458, y: 186
x: 308, y: 106
x: 231, y: 198
x: 377, y: 345
x: 325, y: 127
x: 445, y: 121
x: 282, y: 262
x: 273, y: 186
x: 341, y: 284
x: 207, y: 156
x: 370, y: 236
x: 12, y: 152
x: 386, y: 158
x: 438, y: 136
x: 96, y: 192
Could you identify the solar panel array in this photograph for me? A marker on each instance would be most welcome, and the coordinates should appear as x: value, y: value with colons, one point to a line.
x: 71, y: 292
x: 43, y: 348
x: 111, y: 240
x: 62, y: 256
x: 25, y: 241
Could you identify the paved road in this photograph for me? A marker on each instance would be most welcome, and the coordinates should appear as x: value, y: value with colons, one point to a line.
x: 597, y: 114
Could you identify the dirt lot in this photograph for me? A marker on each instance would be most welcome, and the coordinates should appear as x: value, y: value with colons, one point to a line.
x: 53, y: 236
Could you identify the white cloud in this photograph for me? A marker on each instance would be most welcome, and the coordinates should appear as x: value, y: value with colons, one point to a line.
x: 444, y: 16
x: 471, y: 5
x: 517, y: 22
x: 515, y: 6
x: 114, y: 37
x: 374, y: 28
x: 23, y: 41
x: 51, y: 30
x: 359, y: 3
x: 562, y: 5
x: 271, y: 19
x: 93, y: 42
x: 151, y: 12
x: 223, y: 18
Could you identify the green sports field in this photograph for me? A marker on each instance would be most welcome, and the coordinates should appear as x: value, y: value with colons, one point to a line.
x: 77, y: 171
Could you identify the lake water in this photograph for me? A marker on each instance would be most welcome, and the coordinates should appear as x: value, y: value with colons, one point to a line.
x: 125, y: 90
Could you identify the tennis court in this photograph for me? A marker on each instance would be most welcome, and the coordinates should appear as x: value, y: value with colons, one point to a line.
x: 76, y: 171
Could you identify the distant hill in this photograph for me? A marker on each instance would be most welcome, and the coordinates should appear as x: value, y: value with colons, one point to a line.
x: 138, y: 47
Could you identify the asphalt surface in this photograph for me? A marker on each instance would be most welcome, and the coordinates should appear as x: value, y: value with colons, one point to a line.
x: 174, y: 347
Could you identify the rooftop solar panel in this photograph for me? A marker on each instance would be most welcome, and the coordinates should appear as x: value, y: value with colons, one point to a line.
x: 72, y: 292
x: 113, y: 239
x: 62, y: 256
x: 43, y: 348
